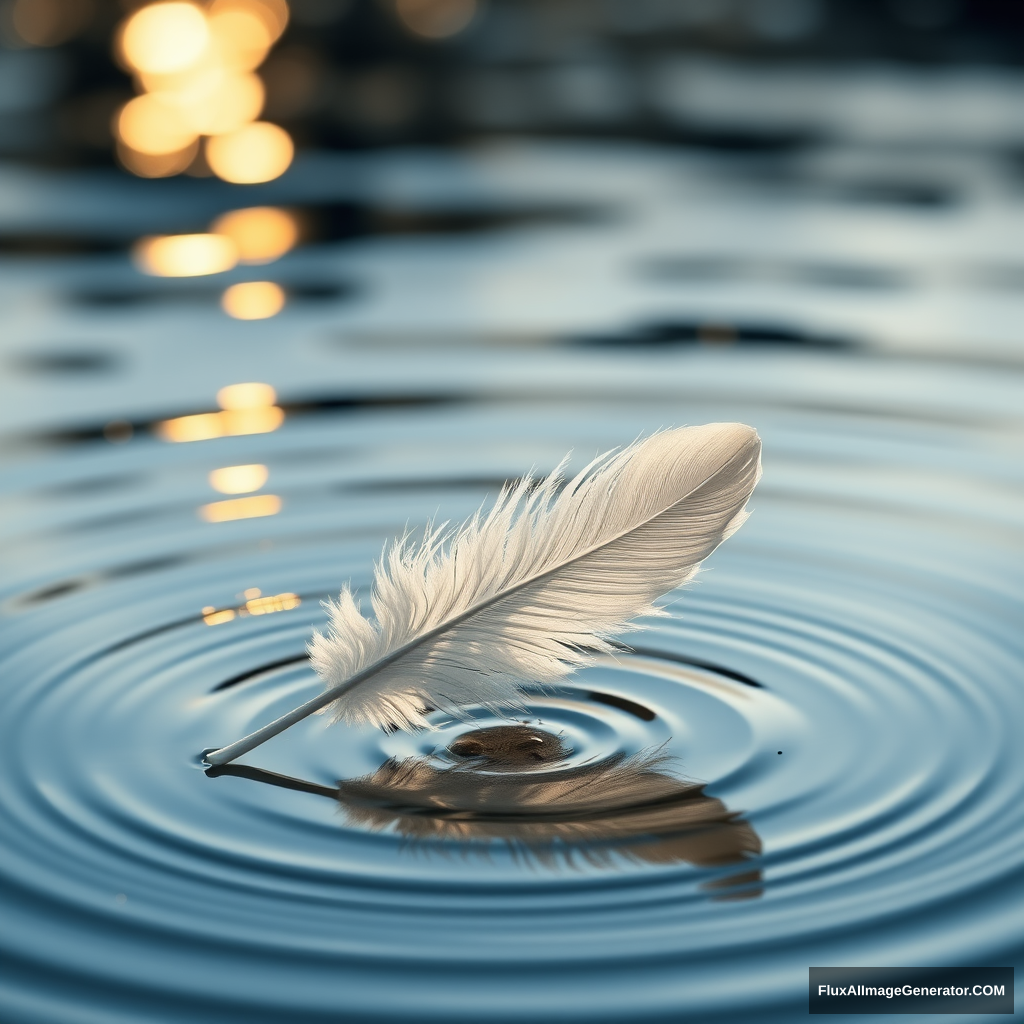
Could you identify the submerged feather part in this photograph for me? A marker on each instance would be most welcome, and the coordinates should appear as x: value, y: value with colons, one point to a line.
x: 535, y: 586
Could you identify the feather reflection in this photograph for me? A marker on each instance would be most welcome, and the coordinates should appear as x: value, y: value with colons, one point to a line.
x: 626, y: 807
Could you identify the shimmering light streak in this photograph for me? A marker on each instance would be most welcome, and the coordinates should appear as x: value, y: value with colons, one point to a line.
x: 246, y: 408
x: 253, y: 507
x: 261, y: 233
x: 258, y: 152
x: 238, y: 479
x: 249, y: 395
x: 212, y: 617
x: 253, y: 300
x: 255, y: 605
x: 229, y: 423
x: 185, y: 255
x: 271, y: 603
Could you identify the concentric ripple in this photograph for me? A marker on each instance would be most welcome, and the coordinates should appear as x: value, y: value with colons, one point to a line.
x: 813, y: 759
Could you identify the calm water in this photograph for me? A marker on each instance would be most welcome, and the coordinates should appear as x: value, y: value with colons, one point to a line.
x: 815, y: 760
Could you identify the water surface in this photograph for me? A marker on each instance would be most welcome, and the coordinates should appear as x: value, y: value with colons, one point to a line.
x: 813, y: 760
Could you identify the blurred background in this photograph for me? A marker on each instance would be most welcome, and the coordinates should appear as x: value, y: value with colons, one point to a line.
x: 899, y: 105
x: 352, y: 74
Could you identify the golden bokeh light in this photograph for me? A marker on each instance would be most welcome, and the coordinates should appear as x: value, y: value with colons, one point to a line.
x: 258, y: 152
x: 239, y: 479
x: 273, y: 13
x: 152, y: 125
x: 253, y: 300
x: 241, y: 38
x: 255, y: 605
x: 435, y: 19
x: 271, y: 603
x: 194, y: 69
x: 209, y: 101
x: 212, y: 617
x: 185, y: 255
x: 164, y: 37
x: 153, y: 165
x: 253, y: 507
x: 250, y: 395
x: 262, y: 233
x: 205, y: 426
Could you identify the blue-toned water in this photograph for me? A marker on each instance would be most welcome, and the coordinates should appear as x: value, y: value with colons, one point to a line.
x: 815, y: 760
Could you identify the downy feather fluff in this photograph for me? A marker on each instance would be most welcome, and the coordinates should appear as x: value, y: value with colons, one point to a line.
x: 532, y: 588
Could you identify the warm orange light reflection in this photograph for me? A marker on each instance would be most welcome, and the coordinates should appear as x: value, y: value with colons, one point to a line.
x: 209, y: 101
x: 436, y: 19
x: 256, y: 605
x: 164, y: 37
x: 230, y: 423
x: 239, y: 479
x: 262, y: 233
x: 150, y: 124
x: 273, y: 13
x: 212, y: 617
x: 253, y: 507
x: 193, y: 66
x: 249, y: 395
x: 241, y: 37
x: 150, y: 165
x: 272, y: 603
x: 258, y: 152
x: 185, y: 255
x: 253, y: 300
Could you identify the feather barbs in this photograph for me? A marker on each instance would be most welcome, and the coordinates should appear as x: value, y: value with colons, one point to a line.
x: 531, y: 589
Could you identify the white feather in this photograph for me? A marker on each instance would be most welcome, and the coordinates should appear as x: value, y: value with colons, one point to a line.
x: 529, y: 590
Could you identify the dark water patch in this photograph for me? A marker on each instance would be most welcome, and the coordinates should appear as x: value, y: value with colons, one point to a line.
x: 920, y: 195
x: 44, y: 244
x: 145, y: 567
x: 170, y: 292
x: 772, y: 141
x: 629, y: 706
x: 709, y: 666
x: 326, y: 292
x: 244, y: 677
x: 67, y: 587
x: 334, y: 222
x: 104, y: 484
x: 54, y: 591
x: 764, y: 334
x: 67, y: 362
